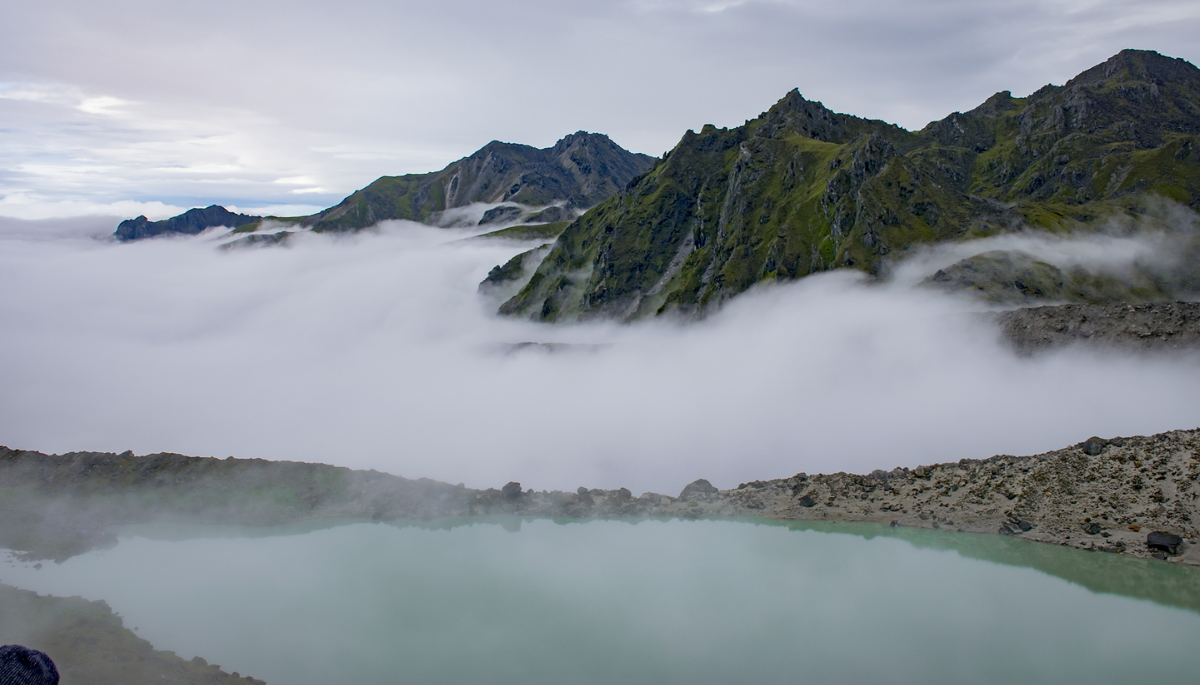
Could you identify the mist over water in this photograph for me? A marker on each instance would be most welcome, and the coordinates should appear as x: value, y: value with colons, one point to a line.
x: 607, y: 601
x: 374, y: 351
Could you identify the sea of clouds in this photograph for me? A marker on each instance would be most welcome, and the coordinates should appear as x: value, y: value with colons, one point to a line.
x: 375, y: 351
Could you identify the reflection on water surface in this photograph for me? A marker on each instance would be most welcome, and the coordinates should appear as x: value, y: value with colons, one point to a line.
x: 656, y: 601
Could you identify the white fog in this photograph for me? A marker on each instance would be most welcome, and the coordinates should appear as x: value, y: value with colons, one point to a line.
x: 374, y: 351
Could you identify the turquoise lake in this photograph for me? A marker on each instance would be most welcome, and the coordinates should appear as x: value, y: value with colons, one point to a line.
x: 539, y: 601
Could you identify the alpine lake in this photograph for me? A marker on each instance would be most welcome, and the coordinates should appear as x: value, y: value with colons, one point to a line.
x: 507, y: 600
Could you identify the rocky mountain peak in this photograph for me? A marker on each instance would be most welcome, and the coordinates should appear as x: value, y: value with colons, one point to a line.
x: 585, y: 140
x: 995, y: 105
x: 1138, y: 65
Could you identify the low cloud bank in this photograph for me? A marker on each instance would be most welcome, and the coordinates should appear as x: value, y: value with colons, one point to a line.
x: 374, y: 351
x: 1161, y: 246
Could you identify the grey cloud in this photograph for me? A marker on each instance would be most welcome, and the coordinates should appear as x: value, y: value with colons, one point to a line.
x: 426, y: 83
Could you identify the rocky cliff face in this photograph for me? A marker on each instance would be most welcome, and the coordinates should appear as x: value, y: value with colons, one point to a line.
x: 190, y: 222
x: 579, y: 171
x: 801, y: 189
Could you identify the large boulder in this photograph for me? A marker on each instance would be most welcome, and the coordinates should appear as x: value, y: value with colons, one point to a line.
x: 23, y: 666
x: 698, y: 487
x: 1164, y: 542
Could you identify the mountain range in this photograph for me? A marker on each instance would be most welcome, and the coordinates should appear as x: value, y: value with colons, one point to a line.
x: 801, y: 189
x: 579, y: 171
x: 527, y: 183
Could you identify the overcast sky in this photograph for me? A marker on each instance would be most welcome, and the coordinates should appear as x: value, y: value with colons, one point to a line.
x: 132, y: 106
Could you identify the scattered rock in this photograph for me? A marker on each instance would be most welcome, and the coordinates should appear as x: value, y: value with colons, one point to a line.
x: 808, y: 502
x: 1093, y: 446
x: 1092, y: 529
x: 511, y: 491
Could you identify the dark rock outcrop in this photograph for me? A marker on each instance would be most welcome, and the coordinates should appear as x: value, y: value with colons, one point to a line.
x: 500, y: 215
x: 190, y: 222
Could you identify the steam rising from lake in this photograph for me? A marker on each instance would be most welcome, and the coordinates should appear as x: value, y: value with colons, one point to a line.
x: 374, y: 351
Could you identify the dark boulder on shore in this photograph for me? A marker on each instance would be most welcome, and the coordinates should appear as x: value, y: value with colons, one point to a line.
x: 1164, y: 542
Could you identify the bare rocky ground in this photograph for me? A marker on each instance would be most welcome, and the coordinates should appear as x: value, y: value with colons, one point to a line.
x: 1102, y: 495
x: 1160, y: 326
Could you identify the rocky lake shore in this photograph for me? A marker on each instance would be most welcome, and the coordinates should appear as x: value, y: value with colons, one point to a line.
x: 1109, y: 495
x: 1135, y: 496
